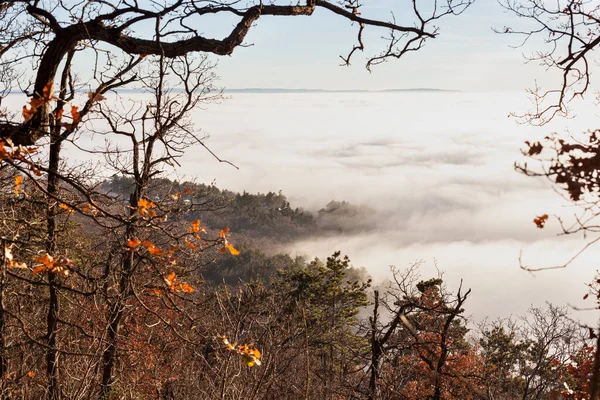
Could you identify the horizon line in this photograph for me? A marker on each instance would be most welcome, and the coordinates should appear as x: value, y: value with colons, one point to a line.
x: 313, y: 90
x: 285, y: 90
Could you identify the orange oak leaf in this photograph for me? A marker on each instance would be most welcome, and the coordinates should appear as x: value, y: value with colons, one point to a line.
x: 152, y: 249
x: 195, y: 228
x: 67, y: 208
x: 18, y: 183
x: 187, y: 288
x: 170, y: 279
x: 89, y: 209
x: 53, y: 265
x: 38, y: 269
x: 133, y: 243
x: 232, y: 250
x: 76, y: 115
x: 28, y: 113
x: 34, y: 104
x: 155, y: 251
x: 249, y: 354
x: 94, y: 97
x: 4, y: 153
x: 47, y: 91
x: 540, y: 221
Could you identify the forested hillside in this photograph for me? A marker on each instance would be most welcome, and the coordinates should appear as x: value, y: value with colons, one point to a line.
x: 259, y: 223
x: 265, y: 325
x: 257, y: 216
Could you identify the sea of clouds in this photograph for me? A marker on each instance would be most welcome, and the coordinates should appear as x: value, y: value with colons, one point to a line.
x: 435, y: 168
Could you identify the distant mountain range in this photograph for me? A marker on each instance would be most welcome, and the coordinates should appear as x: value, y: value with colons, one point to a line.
x: 283, y: 90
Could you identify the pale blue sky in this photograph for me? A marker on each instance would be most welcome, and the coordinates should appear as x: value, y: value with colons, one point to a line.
x: 303, y: 52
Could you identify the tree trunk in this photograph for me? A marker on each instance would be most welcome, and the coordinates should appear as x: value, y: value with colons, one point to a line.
x: 3, y: 362
x: 375, y: 350
x: 53, y: 303
x: 116, y: 311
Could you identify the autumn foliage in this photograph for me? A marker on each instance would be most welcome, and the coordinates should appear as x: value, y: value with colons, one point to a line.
x: 103, y: 292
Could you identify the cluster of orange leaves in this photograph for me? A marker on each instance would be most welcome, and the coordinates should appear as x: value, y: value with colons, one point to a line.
x: 75, y: 116
x: 576, y: 375
x: 171, y: 281
x: 86, y: 209
x: 67, y: 208
x: 152, y: 249
x: 37, y: 102
x: 177, y: 195
x: 460, y: 366
x: 59, y: 265
x: 226, y: 244
x: 46, y: 97
x: 250, y: 355
x: 196, y: 229
x: 145, y: 208
x: 12, y: 152
x: 89, y: 209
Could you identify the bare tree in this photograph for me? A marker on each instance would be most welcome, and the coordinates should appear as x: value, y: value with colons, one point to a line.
x: 51, y: 31
x: 567, y: 32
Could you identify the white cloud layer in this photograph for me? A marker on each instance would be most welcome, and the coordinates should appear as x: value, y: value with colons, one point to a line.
x: 436, y: 168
